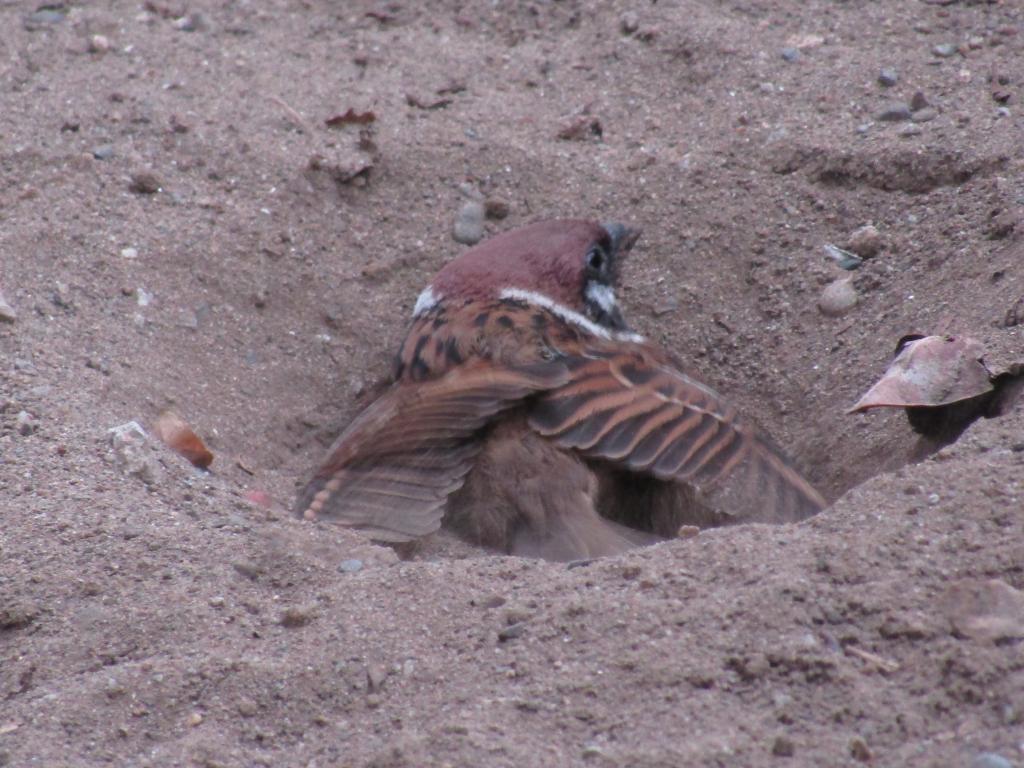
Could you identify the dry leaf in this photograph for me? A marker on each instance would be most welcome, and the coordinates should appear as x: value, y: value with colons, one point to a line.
x: 930, y: 371
x: 177, y: 435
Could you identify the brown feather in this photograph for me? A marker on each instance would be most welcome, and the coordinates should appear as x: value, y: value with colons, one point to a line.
x: 629, y: 406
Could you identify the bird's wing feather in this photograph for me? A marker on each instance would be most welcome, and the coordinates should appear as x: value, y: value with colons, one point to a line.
x: 391, y: 471
x: 635, y: 410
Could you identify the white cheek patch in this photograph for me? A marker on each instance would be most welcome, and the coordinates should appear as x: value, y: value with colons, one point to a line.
x: 570, y: 316
x: 602, y: 295
x: 426, y: 301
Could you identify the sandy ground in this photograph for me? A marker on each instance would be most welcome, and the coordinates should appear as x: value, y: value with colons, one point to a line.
x: 181, y: 228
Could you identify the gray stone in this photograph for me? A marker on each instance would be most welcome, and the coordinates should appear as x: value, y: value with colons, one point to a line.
x: 944, y: 50
x: 888, y: 77
x: 838, y: 298
x: 468, y: 228
x: 990, y: 760
x: 925, y: 115
x: 792, y: 55
x: 7, y: 313
x: 352, y: 565
x: 895, y: 112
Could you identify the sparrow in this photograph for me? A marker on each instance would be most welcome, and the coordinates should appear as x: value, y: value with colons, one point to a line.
x: 524, y: 414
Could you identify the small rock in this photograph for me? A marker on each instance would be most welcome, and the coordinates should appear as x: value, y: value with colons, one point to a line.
x: 925, y: 115
x: 468, y: 228
x: 990, y: 760
x: 975, y: 42
x: 99, y: 44
x: 783, y: 747
x: 895, y: 112
x: 944, y: 50
x: 248, y: 569
x: 582, y: 127
x: 130, y: 447
x: 376, y: 674
x: 351, y: 565
x: 665, y: 306
x: 907, y: 131
x: 144, y: 183
x: 190, y: 22
x: 194, y: 719
x: 859, y: 750
x: 792, y: 55
x: 592, y: 752
x: 297, y: 616
x: 865, y: 241
x: 44, y: 17
x: 1002, y: 112
x: 129, y: 253
x: 7, y: 313
x: 918, y: 101
x: 496, y: 209
x: 511, y: 632
x: 247, y: 707
x: 838, y: 298
x: 629, y: 22
x: 989, y: 610
x: 888, y: 77
x: 103, y: 152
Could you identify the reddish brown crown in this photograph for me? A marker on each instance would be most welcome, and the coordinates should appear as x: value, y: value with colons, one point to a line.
x: 546, y: 258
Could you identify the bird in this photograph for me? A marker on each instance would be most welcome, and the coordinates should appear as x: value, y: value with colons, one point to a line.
x: 525, y: 415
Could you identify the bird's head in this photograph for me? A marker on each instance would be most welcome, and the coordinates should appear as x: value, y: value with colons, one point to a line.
x: 569, y: 263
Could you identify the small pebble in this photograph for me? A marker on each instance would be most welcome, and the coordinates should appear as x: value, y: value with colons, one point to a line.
x: 783, y: 747
x: 792, y: 55
x: 26, y: 423
x: 129, y: 253
x: 944, y: 50
x: 44, y: 17
x: 1002, y: 112
x: 895, y: 112
x: 468, y: 228
x: 888, y: 77
x: 629, y: 22
x: 247, y: 707
x: 990, y: 760
x: 190, y: 22
x: 908, y: 131
x: 859, y: 750
x: 918, y: 101
x: 838, y: 298
x: 7, y: 313
x: 99, y: 44
x: 103, y: 152
x: 144, y: 183
x: 511, y: 632
x: 865, y: 241
x: 296, y: 616
x: 196, y: 718
x: 350, y: 566
x: 925, y: 115
x: 974, y: 43
x: 496, y: 209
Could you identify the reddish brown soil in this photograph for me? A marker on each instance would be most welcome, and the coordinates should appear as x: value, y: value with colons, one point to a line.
x: 152, y: 614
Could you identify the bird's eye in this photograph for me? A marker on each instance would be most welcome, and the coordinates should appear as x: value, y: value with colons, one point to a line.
x: 595, y: 259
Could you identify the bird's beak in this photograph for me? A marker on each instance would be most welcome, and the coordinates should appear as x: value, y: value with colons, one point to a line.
x: 623, y: 238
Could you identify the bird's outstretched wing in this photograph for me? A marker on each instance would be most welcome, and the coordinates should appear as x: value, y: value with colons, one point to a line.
x: 632, y: 408
x: 391, y: 471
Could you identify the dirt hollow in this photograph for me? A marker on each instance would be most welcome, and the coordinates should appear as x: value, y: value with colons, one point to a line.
x: 181, y: 227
